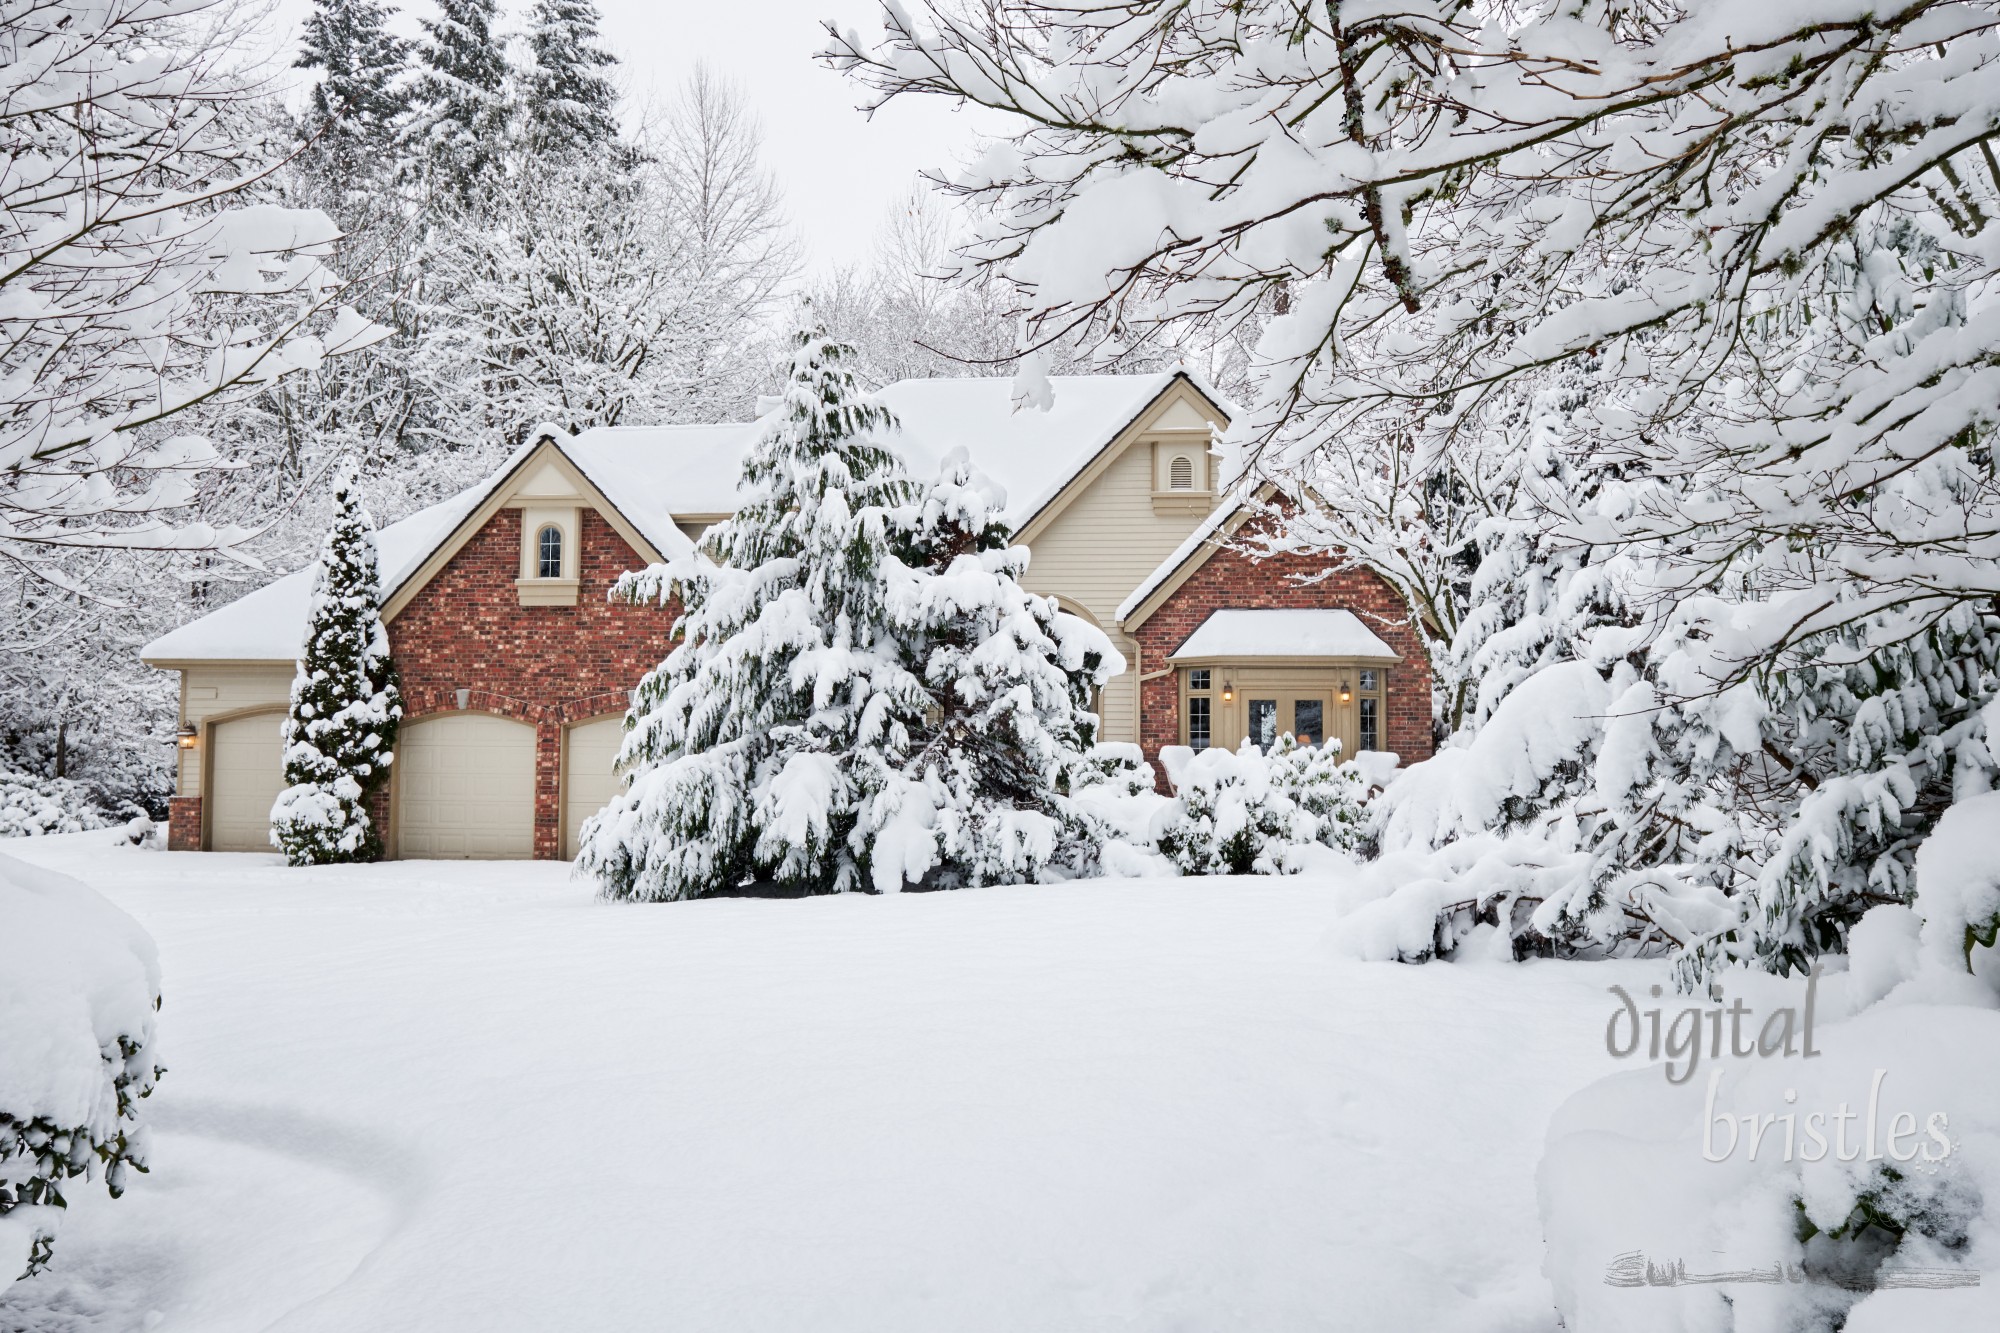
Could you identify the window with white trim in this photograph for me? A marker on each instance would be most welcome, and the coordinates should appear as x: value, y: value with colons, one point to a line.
x: 549, y: 552
x: 1200, y: 709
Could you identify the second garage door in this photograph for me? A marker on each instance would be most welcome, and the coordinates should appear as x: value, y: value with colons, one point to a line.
x: 465, y: 788
x: 588, y: 780
x: 246, y: 771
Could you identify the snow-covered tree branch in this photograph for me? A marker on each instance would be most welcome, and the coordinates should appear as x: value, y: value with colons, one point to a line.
x: 128, y: 265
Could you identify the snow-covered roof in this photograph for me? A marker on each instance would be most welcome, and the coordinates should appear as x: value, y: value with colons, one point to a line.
x: 656, y: 475
x: 1272, y: 632
x: 269, y: 624
x: 664, y: 471
x: 1031, y: 454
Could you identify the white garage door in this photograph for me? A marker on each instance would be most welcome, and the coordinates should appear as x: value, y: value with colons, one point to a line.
x: 465, y: 788
x: 246, y: 771
x: 588, y: 781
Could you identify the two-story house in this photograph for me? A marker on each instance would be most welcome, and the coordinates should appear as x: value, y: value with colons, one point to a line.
x: 517, y: 669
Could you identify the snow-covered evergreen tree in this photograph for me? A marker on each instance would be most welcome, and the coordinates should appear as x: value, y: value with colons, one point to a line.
x: 567, y: 102
x: 340, y: 732
x: 352, y: 115
x: 977, y: 797
x: 741, y: 743
x: 862, y: 696
x: 456, y: 137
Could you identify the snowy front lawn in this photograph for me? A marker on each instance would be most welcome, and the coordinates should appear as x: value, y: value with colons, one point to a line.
x: 435, y: 1096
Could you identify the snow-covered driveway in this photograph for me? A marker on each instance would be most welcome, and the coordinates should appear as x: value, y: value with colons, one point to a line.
x: 433, y: 1096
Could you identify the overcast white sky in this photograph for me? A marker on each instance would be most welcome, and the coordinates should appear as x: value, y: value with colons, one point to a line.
x: 840, y: 171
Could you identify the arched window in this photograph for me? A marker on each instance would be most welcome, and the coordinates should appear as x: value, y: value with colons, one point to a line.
x: 1180, y: 473
x: 548, y: 553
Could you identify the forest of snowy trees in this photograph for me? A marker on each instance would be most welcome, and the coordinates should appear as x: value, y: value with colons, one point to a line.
x: 506, y: 240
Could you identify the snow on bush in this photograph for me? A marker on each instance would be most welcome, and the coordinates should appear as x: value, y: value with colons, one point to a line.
x: 1839, y: 1174
x: 79, y: 984
x: 1647, y: 1187
x: 1244, y: 812
x: 31, y: 806
x: 1958, y: 878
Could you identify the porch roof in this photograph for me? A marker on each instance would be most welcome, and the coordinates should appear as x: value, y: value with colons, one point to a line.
x: 1290, y: 633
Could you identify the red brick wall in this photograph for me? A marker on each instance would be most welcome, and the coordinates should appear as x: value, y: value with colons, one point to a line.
x: 546, y: 665
x: 1232, y: 580
x: 184, y: 824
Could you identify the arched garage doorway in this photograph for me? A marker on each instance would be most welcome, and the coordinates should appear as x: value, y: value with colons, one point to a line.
x: 465, y: 788
x: 246, y: 771
x: 589, y: 782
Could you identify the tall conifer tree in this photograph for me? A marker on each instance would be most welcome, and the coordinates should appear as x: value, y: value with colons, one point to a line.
x: 456, y: 137
x: 863, y: 696
x: 567, y: 101
x: 340, y: 733
x: 352, y: 116
x: 739, y: 739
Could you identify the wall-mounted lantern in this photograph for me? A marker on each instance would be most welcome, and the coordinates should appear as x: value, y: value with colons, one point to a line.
x: 187, y: 736
x: 464, y: 697
x: 1345, y: 693
x: 1228, y: 690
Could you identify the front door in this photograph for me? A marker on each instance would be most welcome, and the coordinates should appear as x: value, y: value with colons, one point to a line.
x: 1269, y: 712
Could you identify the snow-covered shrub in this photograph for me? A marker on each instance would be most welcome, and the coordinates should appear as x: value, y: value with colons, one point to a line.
x: 1331, y: 793
x: 1229, y: 818
x: 1112, y: 768
x: 79, y: 984
x: 1640, y: 1173
x: 340, y: 732
x: 1244, y: 812
x: 862, y: 696
x: 30, y: 806
x: 1958, y: 877
x: 1909, y: 1180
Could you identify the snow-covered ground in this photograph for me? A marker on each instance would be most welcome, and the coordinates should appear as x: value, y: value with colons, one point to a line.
x: 434, y: 1096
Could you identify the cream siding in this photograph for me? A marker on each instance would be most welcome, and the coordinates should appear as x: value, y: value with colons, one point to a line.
x: 210, y: 690
x: 1097, y: 549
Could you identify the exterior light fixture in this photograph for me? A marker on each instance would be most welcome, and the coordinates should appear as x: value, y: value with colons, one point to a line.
x: 1345, y: 693
x: 186, y: 737
x: 464, y: 697
x: 1228, y: 690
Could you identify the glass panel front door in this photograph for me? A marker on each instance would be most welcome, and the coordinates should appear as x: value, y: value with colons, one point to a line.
x: 1309, y: 721
x: 1264, y: 723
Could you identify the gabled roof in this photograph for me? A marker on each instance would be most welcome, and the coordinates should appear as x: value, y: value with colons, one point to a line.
x: 654, y: 477
x: 268, y: 625
x: 1033, y: 455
